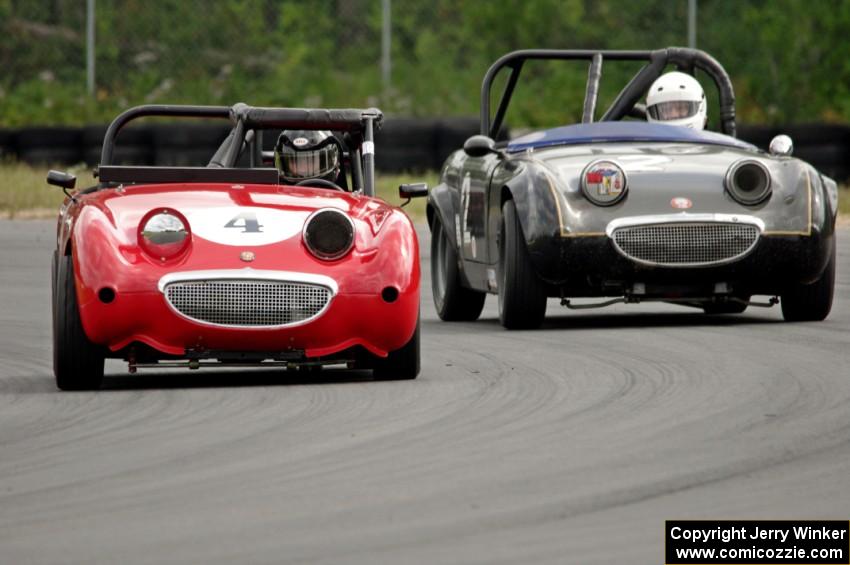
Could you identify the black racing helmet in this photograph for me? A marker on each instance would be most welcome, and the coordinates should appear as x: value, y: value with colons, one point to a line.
x: 307, y: 154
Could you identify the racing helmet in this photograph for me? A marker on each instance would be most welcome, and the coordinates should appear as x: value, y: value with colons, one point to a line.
x: 676, y: 99
x: 307, y: 154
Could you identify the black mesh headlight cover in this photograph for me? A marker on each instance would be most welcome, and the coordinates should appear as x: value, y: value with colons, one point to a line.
x: 748, y: 182
x: 329, y: 234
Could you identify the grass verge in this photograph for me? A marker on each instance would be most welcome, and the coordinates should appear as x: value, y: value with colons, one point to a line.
x: 24, y: 193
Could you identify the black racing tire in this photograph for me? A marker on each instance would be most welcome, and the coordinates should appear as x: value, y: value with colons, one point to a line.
x: 453, y: 301
x: 713, y: 308
x: 810, y: 302
x: 77, y: 362
x: 407, y: 145
x: 403, y: 364
x: 522, y: 295
x: 185, y: 145
x: 133, y: 146
x: 451, y: 134
x: 7, y: 143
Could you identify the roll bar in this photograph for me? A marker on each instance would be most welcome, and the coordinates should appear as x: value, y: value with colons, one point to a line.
x: 685, y: 60
x: 359, y: 122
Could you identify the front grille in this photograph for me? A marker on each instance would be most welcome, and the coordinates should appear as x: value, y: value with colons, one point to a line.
x: 686, y: 244
x: 248, y: 303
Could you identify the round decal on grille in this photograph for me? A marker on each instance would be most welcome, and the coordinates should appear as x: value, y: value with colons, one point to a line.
x: 245, y: 225
x: 681, y: 203
x: 603, y: 182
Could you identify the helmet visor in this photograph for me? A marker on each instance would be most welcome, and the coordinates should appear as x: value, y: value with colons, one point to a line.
x: 310, y: 164
x: 673, y: 110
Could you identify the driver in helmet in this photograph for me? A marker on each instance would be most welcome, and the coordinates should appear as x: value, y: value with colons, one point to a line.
x: 302, y: 155
x: 676, y: 99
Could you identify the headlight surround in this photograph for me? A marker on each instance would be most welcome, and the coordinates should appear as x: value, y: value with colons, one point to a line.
x: 604, y: 182
x: 164, y: 234
x: 748, y: 182
x: 328, y: 234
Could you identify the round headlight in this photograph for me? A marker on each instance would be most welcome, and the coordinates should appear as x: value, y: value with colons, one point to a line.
x: 604, y: 182
x: 748, y: 182
x: 328, y: 234
x: 164, y: 234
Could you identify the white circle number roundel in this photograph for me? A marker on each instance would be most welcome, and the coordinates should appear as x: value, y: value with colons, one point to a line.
x: 245, y: 225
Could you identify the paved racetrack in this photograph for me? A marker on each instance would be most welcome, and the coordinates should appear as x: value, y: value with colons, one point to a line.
x: 571, y: 444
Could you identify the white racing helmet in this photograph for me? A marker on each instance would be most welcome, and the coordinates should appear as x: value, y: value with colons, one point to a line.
x: 676, y: 99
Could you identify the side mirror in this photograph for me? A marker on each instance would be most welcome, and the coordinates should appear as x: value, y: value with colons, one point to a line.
x: 412, y: 190
x: 479, y: 145
x: 61, y: 179
x: 781, y: 146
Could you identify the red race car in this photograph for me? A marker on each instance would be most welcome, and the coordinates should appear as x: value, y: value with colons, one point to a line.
x: 238, y: 263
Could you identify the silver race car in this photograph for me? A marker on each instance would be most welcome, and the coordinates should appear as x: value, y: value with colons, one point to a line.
x: 629, y: 209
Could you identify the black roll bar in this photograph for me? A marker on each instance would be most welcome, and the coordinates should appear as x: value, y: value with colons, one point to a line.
x: 685, y: 60
x: 172, y: 110
x: 247, y: 119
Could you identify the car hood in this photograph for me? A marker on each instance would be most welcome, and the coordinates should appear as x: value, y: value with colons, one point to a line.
x: 232, y: 214
x: 667, y: 178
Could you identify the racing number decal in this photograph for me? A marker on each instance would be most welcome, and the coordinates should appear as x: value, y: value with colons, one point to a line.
x: 245, y: 225
x: 466, y: 234
x: 251, y: 224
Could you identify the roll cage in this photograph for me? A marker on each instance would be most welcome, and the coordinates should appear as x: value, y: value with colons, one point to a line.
x: 686, y: 60
x: 357, y: 127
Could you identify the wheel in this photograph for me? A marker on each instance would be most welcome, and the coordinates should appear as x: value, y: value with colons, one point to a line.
x: 401, y: 364
x: 454, y: 302
x: 810, y: 302
x: 725, y: 307
x: 77, y: 362
x: 522, y: 295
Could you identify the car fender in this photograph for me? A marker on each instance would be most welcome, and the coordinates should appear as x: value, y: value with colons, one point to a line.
x: 538, y: 209
x: 441, y: 205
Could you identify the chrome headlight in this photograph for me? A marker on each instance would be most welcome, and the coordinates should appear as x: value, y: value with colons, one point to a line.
x: 328, y: 234
x: 748, y: 182
x: 604, y: 182
x: 164, y: 234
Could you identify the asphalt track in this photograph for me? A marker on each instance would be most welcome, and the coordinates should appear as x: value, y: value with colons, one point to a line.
x: 571, y: 444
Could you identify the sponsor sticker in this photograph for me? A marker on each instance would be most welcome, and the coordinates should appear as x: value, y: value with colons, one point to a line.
x: 605, y: 179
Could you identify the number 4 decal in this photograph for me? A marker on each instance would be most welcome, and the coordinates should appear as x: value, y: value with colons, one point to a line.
x: 250, y: 225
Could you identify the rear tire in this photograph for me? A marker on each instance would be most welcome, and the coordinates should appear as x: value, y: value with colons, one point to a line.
x: 453, y: 301
x: 401, y: 364
x: 522, y: 295
x: 811, y: 302
x: 77, y: 362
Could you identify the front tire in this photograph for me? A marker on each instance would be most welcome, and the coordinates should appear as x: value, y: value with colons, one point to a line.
x: 77, y: 362
x: 453, y: 301
x: 522, y: 295
x: 811, y: 302
x: 401, y: 364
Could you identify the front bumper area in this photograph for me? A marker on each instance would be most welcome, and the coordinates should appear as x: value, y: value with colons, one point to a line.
x: 347, y: 320
x: 595, y: 266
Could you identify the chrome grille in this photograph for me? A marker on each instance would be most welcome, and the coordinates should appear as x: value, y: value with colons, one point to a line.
x: 249, y: 303
x: 686, y: 244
